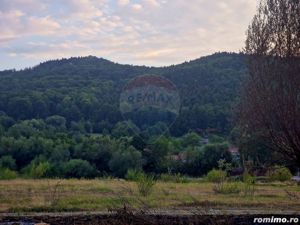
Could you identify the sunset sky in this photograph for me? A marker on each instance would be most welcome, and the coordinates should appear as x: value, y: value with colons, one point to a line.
x: 141, y: 32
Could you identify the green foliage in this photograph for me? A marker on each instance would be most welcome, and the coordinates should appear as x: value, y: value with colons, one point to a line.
x: 145, y: 184
x: 21, y: 130
x: 214, y: 139
x: 2, y: 131
x: 79, y: 168
x: 88, y: 88
x: 66, y: 110
x: 56, y: 121
x: 191, y: 139
x: 156, y: 155
x: 8, y: 162
x: 216, y: 176
x: 125, y: 128
x: 249, y: 184
x: 212, y: 154
x: 278, y: 173
x: 125, y: 159
x: 223, y: 165
x: 6, y: 121
x: 253, y: 147
x: 38, y: 170
x: 7, y: 174
x: 97, y: 150
x: 133, y: 174
x: 219, y: 178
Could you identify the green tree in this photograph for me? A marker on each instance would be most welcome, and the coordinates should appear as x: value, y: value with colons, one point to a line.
x: 8, y: 162
x: 125, y: 128
x: 78, y: 168
x: 56, y: 121
x: 156, y: 155
x: 212, y: 153
x: 191, y: 139
x: 125, y: 159
x: 6, y: 121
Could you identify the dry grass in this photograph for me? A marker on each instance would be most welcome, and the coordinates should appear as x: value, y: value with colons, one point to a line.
x: 89, y: 195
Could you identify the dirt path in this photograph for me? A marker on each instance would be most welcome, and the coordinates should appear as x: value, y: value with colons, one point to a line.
x: 159, y: 216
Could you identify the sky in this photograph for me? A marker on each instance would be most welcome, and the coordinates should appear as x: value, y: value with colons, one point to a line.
x: 139, y: 32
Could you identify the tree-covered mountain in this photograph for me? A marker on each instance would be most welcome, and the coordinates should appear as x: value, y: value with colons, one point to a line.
x: 62, y: 118
x: 86, y: 90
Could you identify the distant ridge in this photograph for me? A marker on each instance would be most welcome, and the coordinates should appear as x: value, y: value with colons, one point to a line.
x: 209, y: 87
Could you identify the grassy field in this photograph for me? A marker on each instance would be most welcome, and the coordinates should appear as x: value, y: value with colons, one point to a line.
x: 22, y: 195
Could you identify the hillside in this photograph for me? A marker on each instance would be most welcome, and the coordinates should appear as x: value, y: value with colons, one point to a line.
x: 88, y: 89
x: 62, y: 118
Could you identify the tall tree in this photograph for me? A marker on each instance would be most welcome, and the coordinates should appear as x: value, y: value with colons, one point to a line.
x: 271, y: 100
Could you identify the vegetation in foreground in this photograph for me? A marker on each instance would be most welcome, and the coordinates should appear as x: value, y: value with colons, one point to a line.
x: 23, y: 195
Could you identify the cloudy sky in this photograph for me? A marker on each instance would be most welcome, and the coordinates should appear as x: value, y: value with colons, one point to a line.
x: 142, y: 32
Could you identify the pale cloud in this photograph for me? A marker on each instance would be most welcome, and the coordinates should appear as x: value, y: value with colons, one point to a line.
x: 27, y: 6
x: 154, y: 54
x: 41, y: 25
x: 154, y: 3
x: 42, y: 50
x: 123, y: 2
x: 152, y: 32
x: 15, y: 24
x: 137, y: 7
x: 82, y: 9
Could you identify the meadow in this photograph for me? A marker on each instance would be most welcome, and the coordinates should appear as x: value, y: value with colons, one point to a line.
x: 63, y: 195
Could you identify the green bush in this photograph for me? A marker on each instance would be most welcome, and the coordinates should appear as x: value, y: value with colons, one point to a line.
x: 227, y: 188
x: 125, y: 159
x: 7, y: 174
x: 210, y: 156
x: 216, y: 139
x: 38, y: 170
x: 176, y: 178
x: 249, y: 184
x: 279, y: 174
x: 78, y: 168
x: 8, y: 161
x: 216, y: 176
x: 145, y: 184
x: 133, y: 174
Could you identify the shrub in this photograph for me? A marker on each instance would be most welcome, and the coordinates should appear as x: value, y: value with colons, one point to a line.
x: 211, y: 155
x: 38, y: 170
x: 78, y: 168
x: 133, y: 174
x: 7, y: 174
x: 216, y: 176
x: 216, y: 139
x: 249, y: 184
x: 279, y: 174
x: 7, y: 162
x: 190, y: 139
x: 145, y: 184
x: 125, y: 159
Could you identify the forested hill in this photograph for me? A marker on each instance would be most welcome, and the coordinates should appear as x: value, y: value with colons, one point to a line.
x: 85, y: 92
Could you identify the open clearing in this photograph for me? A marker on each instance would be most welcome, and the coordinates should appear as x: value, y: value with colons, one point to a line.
x: 23, y: 195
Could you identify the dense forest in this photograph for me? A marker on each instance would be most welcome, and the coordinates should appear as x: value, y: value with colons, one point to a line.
x: 61, y: 118
x: 85, y: 91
